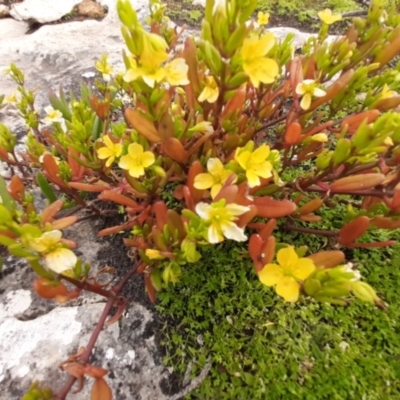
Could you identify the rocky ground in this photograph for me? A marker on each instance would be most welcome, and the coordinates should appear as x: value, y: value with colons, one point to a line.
x: 36, y: 335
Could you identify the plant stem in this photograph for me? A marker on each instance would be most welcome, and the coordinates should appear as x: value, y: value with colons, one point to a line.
x: 84, y: 358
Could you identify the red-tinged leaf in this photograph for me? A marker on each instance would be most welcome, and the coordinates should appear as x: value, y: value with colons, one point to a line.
x: 267, y: 229
x: 8, y: 234
x: 87, y: 187
x: 134, y: 243
x: 327, y: 259
x: 372, y: 245
x: 17, y: 188
x: 271, y: 208
x: 178, y: 192
x: 69, y: 243
x: 296, y: 73
x: 52, y: 170
x: 256, y: 225
x: 388, y: 52
x: 64, y: 298
x: 369, y: 201
x: 191, y: 100
x: 51, y: 211
x: 4, y: 155
x: 235, y: 104
x: 174, y: 221
x: 142, y: 125
x: 310, y: 206
x: 190, y: 56
x: 151, y: 291
x: 190, y: 204
x: 310, y: 218
x: 385, y: 223
x: 160, y: 211
x: 245, y: 218
x: 387, y: 104
x: 396, y: 200
x: 195, y: 169
x: 158, y: 239
x: 268, y: 251
x: 77, y: 169
x: 255, y: 246
x: 116, y: 229
x: 173, y: 148
x: 101, y: 390
x: 292, y: 134
x: 353, y: 230
x: 354, y: 121
x: 229, y: 193
x: 199, y: 143
x: 47, y: 289
x: 357, y: 182
x: 94, y: 371
x: 64, y: 223
x: 166, y: 126
x: 117, y: 198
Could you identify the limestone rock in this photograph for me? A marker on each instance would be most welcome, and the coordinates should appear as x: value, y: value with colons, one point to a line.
x: 90, y: 9
x: 42, y: 11
x: 4, y: 11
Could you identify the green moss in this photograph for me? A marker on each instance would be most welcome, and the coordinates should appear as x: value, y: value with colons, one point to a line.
x: 263, y: 348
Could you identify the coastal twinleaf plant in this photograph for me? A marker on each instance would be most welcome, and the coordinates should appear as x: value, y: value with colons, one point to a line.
x: 191, y: 144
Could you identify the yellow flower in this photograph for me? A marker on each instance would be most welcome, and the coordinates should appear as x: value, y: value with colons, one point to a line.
x: 256, y: 65
x: 203, y: 127
x: 328, y: 18
x: 262, y: 18
x: 154, y: 254
x: 110, y: 151
x: 286, y: 276
x: 56, y: 159
x: 220, y: 218
x: 12, y: 98
x: 53, y: 115
x: 210, y: 92
x: 176, y: 72
x: 153, y: 51
x: 308, y: 88
x: 150, y: 75
x: 58, y: 259
x: 136, y: 160
x: 104, y: 67
x: 255, y: 164
x: 386, y: 93
x: 215, y: 177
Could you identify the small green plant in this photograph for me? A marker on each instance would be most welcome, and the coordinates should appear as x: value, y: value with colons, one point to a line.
x: 222, y: 120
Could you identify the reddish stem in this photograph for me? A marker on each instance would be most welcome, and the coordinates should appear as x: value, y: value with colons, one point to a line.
x: 320, y: 232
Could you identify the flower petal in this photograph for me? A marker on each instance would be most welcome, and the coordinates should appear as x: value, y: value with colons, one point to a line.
x: 176, y: 72
x: 104, y: 152
x: 135, y: 150
x: 136, y: 171
x: 214, y: 235
x: 262, y: 69
x: 287, y: 257
x: 215, y: 166
x: 233, y: 232
x: 110, y: 161
x: 147, y: 159
x: 243, y: 159
x: 263, y: 169
x: 60, y: 260
x: 271, y: 274
x: 252, y: 179
x: 260, y: 154
x: 319, y: 92
x: 304, y: 268
x: 288, y: 288
x: 215, y: 189
x: 203, y: 181
x: 203, y: 210
x: 236, y: 209
x: 125, y: 162
x: 306, y: 101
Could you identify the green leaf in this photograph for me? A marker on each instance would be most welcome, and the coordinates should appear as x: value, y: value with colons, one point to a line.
x: 6, y: 198
x: 45, y: 187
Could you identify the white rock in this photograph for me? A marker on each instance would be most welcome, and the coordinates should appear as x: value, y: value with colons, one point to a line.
x: 42, y: 11
x: 4, y: 11
x: 10, y: 28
